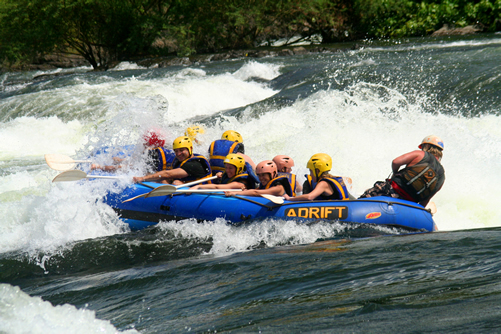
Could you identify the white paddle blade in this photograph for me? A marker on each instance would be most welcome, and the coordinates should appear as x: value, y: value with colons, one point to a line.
x: 168, y: 189
x: 59, y: 162
x: 70, y: 175
x: 76, y: 175
x: 162, y: 191
x: 274, y: 199
x: 62, y: 162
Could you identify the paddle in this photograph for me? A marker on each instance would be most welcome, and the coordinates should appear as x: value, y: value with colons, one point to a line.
x: 62, y: 162
x: 170, y: 186
x: 274, y: 199
x: 75, y: 175
x: 165, y: 192
x: 169, y: 190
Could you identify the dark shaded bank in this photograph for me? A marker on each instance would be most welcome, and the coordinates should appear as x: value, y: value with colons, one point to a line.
x: 65, y: 61
x: 69, y: 61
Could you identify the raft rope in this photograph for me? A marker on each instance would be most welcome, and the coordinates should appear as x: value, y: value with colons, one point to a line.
x: 242, y: 198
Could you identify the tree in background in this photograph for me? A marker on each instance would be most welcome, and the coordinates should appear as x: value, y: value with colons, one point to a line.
x: 29, y: 29
x: 102, y: 31
x: 107, y: 31
x: 401, y: 18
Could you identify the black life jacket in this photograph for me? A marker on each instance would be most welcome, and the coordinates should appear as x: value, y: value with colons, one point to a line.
x: 279, y: 180
x: 337, y: 184
x: 292, y: 181
x: 203, y: 161
x: 423, y: 180
x: 247, y: 180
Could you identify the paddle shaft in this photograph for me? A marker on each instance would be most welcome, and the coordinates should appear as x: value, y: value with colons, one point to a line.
x: 168, y: 186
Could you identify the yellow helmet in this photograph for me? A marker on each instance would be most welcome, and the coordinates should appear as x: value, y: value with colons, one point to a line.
x: 233, y: 136
x: 433, y: 140
x: 183, y: 141
x: 193, y: 131
x: 237, y: 161
x: 320, y: 161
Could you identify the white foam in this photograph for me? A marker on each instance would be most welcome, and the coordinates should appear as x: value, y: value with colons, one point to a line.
x: 127, y: 65
x: 28, y: 137
x: 253, y: 69
x: 20, y: 313
x: 189, y: 93
x: 64, y: 213
x: 435, y: 45
x: 269, y: 233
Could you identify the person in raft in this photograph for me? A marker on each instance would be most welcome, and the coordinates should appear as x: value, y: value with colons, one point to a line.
x: 284, y: 166
x: 158, y: 157
x: 269, y: 182
x: 421, y: 178
x: 195, y: 132
x: 187, y: 166
x: 320, y: 185
x: 231, y: 142
x: 234, y: 177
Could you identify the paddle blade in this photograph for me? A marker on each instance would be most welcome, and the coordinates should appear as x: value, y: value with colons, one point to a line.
x: 135, y: 197
x: 70, y: 175
x: 274, y: 199
x: 162, y: 191
x: 168, y: 189
x: 60, y: 162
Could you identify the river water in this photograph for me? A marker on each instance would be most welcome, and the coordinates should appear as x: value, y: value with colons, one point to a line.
x: 69, y: 265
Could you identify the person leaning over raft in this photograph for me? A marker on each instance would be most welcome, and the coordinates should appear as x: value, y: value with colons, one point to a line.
x: 234, y: 177
x: 193, y: 132
x: 158, y: 157
x: 270, y: 182
x: 422, y: 177
x: 284, y: 166
x: 320, y: 185
x: 187, y: 166
x: 230, y: 142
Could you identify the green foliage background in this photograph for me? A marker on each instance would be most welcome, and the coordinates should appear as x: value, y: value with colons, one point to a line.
x: 107, y: 31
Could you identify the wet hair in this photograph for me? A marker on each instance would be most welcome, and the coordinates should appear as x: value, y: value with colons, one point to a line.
x: 433, y: 150
x: 325, y: 174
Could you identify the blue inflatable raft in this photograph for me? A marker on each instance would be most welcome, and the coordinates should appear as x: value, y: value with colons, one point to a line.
x: 143, y: 212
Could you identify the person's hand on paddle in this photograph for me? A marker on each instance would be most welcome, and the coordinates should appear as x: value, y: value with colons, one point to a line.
x: 286, y: 197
